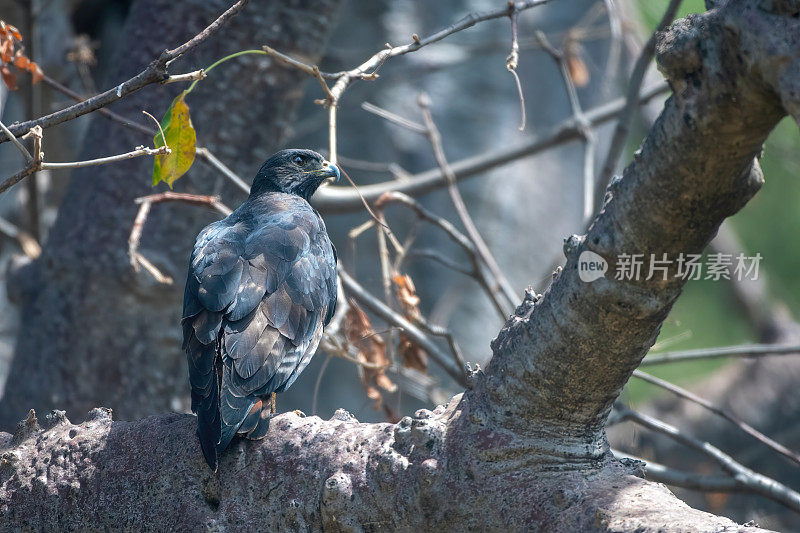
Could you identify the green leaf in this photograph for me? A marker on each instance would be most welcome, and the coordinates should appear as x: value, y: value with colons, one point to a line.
x: 181, y: 140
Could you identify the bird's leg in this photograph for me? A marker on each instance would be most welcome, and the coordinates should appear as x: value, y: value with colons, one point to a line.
x: 273, y: 404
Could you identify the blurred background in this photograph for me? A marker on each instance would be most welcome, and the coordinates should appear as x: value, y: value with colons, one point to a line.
x: 79, y: 328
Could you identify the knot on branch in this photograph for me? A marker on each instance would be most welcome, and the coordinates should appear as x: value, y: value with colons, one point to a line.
x: 571, y: 245
x: 343, y: 415
x: 418, y: 438
x: 678, y: 49
x: 27, y: 427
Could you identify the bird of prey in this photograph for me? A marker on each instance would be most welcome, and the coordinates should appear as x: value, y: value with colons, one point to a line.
x: 261, y: 286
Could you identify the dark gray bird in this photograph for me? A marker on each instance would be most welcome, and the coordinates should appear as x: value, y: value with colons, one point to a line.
x: 261, y: 286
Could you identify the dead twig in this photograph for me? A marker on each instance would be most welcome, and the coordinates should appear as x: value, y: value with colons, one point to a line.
x: 145, y: 204
x: 741, y: 424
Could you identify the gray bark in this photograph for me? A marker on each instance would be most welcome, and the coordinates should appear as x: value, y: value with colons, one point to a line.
x: 86, y: 307
x: 524, y: 447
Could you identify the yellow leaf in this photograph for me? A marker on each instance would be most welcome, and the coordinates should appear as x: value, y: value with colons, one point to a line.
x: 181, y: 140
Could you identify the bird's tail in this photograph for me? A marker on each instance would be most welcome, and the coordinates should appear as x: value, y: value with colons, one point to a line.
x: 208, y: 424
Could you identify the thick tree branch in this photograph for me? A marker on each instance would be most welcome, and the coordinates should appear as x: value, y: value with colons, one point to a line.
x: 563, y: 359
x: 523, y: 448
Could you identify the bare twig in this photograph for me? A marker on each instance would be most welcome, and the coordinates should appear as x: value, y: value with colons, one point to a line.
x: 146, y: 202
x: 171, y: 55
x: 634, y: 84
x: 368, y: 69
x: 747, y: 350
x: 512, y: 61
x: 485, y: 254
x: 435, y: 255
x: 394, y: 118
x: 744, y: 426
x: 745, y: 477
x: 26, y: 241
x: 153, y: 73
x: 385, y: 313
x: 34, y: 165
x: 386, y: 279
x: 688, y: 480
x: 103, y: 111
x: 24, y: 151
x: 209, y: 158
x: 342, y: 200
x: 189, y: 76
x: 580, y: 119
x: 137, y: 152
x: 456, y: 236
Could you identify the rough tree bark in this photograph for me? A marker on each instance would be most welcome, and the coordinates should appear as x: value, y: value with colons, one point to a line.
x: 91, y: 327
x: 524, y: 447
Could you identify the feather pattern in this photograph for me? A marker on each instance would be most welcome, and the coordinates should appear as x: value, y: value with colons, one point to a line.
x: 261, y: 286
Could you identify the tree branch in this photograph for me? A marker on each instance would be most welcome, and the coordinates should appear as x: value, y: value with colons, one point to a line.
x: 155, y: 72
x: 343, y: 199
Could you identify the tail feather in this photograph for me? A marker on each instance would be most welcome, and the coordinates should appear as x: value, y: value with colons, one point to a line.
x: 208, y: 424
x: 234, y: 410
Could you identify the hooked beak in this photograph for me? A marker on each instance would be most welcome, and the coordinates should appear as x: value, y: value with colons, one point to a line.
x: 330, y: 170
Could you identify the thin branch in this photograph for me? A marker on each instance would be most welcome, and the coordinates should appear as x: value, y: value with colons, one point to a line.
x: 308, y: 69
x: 744, y: 426
x: 171, y: 55
x: 746, y: 350
x: 26, y: 241
x: 440, y: 331
x: 580, y: 118
x: 207, y: 157
x: 368, y: 69
x: 482, y: 249
x: 688, y: 480
x: 395, y: 319
x: 103, y: 111
x: 753, y: 481
x: 394, y: 118
x: 155, y: 72
x: 634, y: 85
x: 435, y: 255
x: 342, y: 200
x: 386, y: 279
x: 146, y: 202
x: 34, y: 165
x: 512, y: 61
x: 189, y: 76
x: 24, y: 151
x: 452, y: 232
x: 138, y: 152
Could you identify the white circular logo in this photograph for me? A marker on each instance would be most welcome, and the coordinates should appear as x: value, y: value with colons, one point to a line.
x: 591, y: 266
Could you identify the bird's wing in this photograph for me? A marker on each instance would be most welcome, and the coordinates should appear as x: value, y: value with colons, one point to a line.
x: 214, y: 277
x: 275, y: 324
x: 258, y: 298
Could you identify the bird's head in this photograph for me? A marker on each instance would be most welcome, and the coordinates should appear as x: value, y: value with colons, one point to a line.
x: 293, y: 171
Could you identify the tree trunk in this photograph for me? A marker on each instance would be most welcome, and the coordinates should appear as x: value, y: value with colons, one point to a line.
x: 524, y: 448
x: 92, y: 328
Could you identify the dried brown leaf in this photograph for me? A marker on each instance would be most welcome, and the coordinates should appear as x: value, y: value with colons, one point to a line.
x: 412, y: 354
x: 14, y: 32
x: 407, y: 295
x: 9, y: 78
x: 577, y: 71
x: 20, y: 61
x: 36, y: 72
x: 372, y: 350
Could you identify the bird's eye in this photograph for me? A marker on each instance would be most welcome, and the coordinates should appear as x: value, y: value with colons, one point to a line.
x: 298, y: 161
